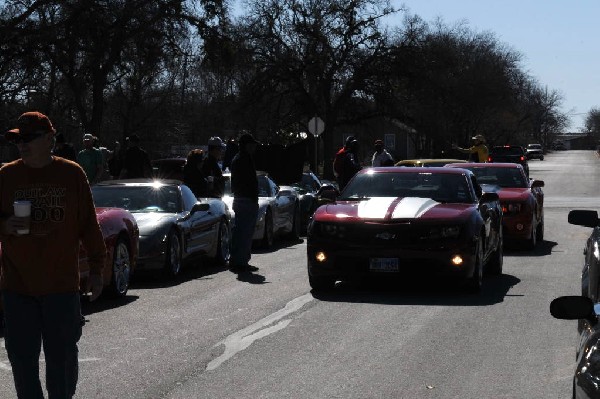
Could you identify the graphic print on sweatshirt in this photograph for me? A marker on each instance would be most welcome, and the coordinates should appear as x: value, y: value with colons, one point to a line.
x: 48, y: 205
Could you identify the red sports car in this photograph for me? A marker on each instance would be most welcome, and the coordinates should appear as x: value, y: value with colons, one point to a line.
x: 522, y: 199
x: 404, y: 222
x: 121, y: 236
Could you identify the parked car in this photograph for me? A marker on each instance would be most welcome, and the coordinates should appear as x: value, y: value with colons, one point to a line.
x: 390, y: 221
x: 175, y: 226
x: 168, y: 168
x: 309, y: 189
x: 535, y: 151
x: 427, y: 162
x: 587, y: 351
x: 509, y: 153
x: 590, y: 275
x: 278, y: 210
x: 522, y: 199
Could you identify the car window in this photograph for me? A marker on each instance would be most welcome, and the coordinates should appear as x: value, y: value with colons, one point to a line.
x: 189, y: 199
x: 264, y: 188
x: 160, y: 198
x: 512, y: 150
x: 503, y: 177
x: 442, y: 187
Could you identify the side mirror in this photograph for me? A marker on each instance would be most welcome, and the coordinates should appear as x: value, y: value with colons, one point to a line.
x: 328, y: 193
x: 200, y: 207
x: 584, y: 218
x: 537, y: 183
x: 573, y: 308
x: 489, y: 197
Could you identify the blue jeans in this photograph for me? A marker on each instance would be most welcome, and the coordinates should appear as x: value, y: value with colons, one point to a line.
x: 246, y: 212
x: 53, y: 321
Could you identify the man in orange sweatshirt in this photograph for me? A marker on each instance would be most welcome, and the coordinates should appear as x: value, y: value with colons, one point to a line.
x: 39, y: 281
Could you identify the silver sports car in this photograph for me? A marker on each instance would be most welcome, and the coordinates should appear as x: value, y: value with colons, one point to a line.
x: 174, y: 225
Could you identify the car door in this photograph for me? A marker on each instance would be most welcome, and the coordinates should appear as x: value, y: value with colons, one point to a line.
x: 490, y: 216
x: 202, y: 224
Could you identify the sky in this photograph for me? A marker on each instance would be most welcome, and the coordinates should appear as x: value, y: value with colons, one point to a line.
x: 558, y: 40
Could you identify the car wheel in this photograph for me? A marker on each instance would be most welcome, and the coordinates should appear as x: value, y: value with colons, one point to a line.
x: 267, y: 240
x: 224, y: 244
x: 121, y: 269
x: 496, y: 262
x: 541, y: 158
x: 296, y: 224
x: 173, y: 256
x: 475, y: 282
x: 532, y: 241
x: 321, y: 284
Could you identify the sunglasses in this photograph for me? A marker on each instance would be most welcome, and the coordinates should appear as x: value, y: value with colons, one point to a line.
x: 26, y: 138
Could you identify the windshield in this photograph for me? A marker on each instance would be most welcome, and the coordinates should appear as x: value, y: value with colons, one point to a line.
x: 503, y: 177
x: 441, y: 187
x: 138, y: 198
x: 534, y: 147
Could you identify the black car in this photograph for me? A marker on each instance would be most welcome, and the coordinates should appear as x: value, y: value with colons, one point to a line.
x: 590, y: 275
x: 309, y: 190
x: 511, y: 154
x: 587, y: 370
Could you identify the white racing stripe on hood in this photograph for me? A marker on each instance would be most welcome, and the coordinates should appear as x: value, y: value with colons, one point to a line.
x: 375, y: 208
x: 412, y: 207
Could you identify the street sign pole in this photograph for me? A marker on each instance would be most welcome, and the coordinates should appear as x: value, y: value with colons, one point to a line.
x: 316, y: 126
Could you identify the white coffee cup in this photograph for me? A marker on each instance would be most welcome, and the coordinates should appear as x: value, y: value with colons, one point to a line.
x: 22, y: 208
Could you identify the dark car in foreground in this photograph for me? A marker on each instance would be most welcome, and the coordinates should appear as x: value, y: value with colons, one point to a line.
x: 407, y: 223
x: 586, y: 378
x: 522, y: 199
x: 590, y: 275
x: 509, y: 153
x: 174, y: 225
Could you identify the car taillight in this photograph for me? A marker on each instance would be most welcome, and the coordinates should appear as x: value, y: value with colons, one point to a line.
x: 522, y: 158
x: 489, y: 159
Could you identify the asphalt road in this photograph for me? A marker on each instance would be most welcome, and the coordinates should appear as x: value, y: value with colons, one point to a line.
x: 214, y: 335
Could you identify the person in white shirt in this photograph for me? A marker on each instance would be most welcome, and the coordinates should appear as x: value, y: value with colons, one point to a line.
x: 381, y: 157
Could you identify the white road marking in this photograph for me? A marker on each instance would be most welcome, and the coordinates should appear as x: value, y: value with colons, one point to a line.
x: 242, y: 339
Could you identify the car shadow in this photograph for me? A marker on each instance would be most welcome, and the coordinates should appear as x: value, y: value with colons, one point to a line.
x: 200, y: 269
x: 104, y: 303
x: 280, y: 243
x: 543, y: 248
x: 495, y: 289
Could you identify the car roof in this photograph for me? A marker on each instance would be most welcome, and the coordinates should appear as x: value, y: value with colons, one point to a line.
x: 139, y: 182
x: 396, y: 169
x: 509, y: 165
x: 428, y: 160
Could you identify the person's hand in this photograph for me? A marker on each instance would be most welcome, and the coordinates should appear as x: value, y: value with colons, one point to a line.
x: 11, y: 224
x: 94, y: 286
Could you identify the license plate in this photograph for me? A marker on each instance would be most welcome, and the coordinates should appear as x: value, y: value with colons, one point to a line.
x: 383, y: 264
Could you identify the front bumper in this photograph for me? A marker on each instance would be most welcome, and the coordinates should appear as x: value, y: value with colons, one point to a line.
x: 152, y: 255
x: 517, y: 227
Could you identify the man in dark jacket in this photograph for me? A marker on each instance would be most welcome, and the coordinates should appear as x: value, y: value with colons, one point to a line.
x: 63, y: 149
x: 350, y: 163
x: 136, y: 162
x: 211, y: 168
x: 244, y: 185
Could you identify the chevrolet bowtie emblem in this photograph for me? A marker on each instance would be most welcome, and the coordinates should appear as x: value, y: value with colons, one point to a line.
x: 385, y: 236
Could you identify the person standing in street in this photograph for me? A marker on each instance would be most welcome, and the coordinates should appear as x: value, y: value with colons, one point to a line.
x: 90, y: 159
x: 192, y: 173
x: 212, y: 170
x: 346, y: 163
x: 63, y: 149
x: 381, y: 157
x: 39, y: 279
x: 244, y: 185
x: 136, y: 162
x: 478, y: 151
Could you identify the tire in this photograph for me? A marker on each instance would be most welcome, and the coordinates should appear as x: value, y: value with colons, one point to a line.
x: 321, y: 284
x: 296, y: 224
x: 224, y: 244
x: 496, y: 262
x: 541, y: 158
x: 173, y: 255
x: 475, y: 282
x: 121, y: 269
x: 267, y: 240
x: 540, y: 231
x: 531, y: 243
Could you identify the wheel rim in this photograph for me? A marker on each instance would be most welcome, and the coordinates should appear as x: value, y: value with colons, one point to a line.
x: 121, y: 268
x: 224, y: 242
x: 174, y: 254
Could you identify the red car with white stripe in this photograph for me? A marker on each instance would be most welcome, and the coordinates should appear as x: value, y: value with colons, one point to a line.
x: 406, y: 222
x: 522, y: 199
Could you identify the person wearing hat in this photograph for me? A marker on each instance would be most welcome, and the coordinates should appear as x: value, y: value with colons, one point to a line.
x: 63, y: 149
x: 136, y: 162
x: 479, y: 151
x: 381, y: 157
x: 91, y: 159
x: 211, y: 168
x: 346, y: 163
x: 39, y: 278
x: 244, y: 186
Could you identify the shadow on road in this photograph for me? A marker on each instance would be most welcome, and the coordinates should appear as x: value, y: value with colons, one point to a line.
x: 439, y: 293
x: 103, y: 303
x: 201, y: 269
x: 282, y: 243
x: 543, y: 248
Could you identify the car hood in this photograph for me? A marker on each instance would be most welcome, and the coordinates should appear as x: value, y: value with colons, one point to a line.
x: 151, y: 222
x: 393, y: 208
x: 514, y: 194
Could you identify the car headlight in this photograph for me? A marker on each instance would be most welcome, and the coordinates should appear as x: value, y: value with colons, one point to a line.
x: 512, y: 208
x: 444, y: 232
